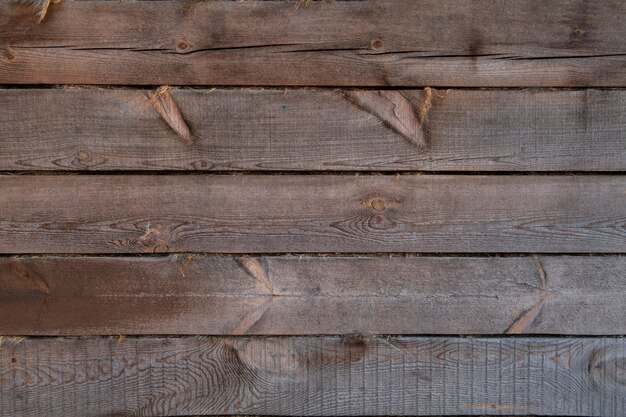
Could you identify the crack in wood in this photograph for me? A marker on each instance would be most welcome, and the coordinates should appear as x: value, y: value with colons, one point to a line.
x: 184, y: 264
x: 543, y: 277
x: 251, y: 319
x: 38, y: 282
x: 167, y: 108
x: 394, y: 110
x: 254, y: 267
x: 524, y: 320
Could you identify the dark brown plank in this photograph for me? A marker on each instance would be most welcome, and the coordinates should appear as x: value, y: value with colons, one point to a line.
x: 356, y: 375
x: 295, y: 129
x: 343, y: 43
x: 309, y: 213
x: 193, y: 294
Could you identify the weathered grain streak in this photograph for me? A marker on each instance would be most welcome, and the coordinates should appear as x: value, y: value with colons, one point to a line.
x: 293, y: 129
x: 313, y: 376
x: 311, y: 295
x: 307, y: 213
x: 390, y: 43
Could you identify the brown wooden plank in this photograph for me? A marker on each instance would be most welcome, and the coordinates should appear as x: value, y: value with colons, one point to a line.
x: 194, y: 294
x: 296, y: 129
x: 356, y: 375
x: 309, y: 213
x: 347, y: 43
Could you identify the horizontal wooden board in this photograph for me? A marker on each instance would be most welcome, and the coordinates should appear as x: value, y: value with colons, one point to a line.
x: 193, y: 294
x: 343, y: 43
x: 296, y: 129
x: 310, y: 213
x: 356, y: 375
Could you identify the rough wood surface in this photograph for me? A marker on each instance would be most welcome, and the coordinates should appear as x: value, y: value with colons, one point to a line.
x: 311, y: 213
x: 296, y: 129
x: 355, y: 375
x: 376, y: 43
x: 193, y: 294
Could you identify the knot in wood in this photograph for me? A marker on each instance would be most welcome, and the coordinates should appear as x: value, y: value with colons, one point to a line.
x: 7, y: 55
x: 269, y: 356
x: 378, y: 204
x: 380, y: 222
x: 607, y: 368
x: 377, y: 44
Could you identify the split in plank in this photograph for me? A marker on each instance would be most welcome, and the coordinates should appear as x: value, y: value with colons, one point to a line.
x: 392, y: 43
x: 194, y: 294
x: 356, y: 375
x: 309, y: 213
x: 293, y: 129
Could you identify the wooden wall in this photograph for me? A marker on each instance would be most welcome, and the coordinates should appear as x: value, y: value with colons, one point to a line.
x: 312, y: 208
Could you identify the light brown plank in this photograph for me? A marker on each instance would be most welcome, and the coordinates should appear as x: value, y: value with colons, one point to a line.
x: 194, y: 294
x: 312, y: 376
x: 295, y: 129
x: 343, y: 43
x: 308, y: 213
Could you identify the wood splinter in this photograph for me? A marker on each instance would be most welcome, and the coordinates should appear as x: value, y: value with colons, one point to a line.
x: 44, y: 9
x: 394, y: 110
x: 524, y: 320
x: 167, y: 108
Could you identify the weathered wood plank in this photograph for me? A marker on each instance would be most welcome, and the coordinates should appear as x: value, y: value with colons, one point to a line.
x: 309, y: 213
x: 349, y: 43
x: 313, y: 376
x: 196, y: 294
x: 295, y: 129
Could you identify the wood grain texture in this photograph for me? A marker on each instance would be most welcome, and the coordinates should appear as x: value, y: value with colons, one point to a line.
x: 312, y: 376
x: 193, y: 294
x: 344, y: 43
x: 295, y: 129
x: 310, y: 213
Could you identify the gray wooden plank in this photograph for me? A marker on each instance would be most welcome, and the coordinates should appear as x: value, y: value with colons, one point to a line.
x: 310, y: 213
x: 308, y: 129
x: 197, y: 294
x: 346, y: 43
x: 354, y: 375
